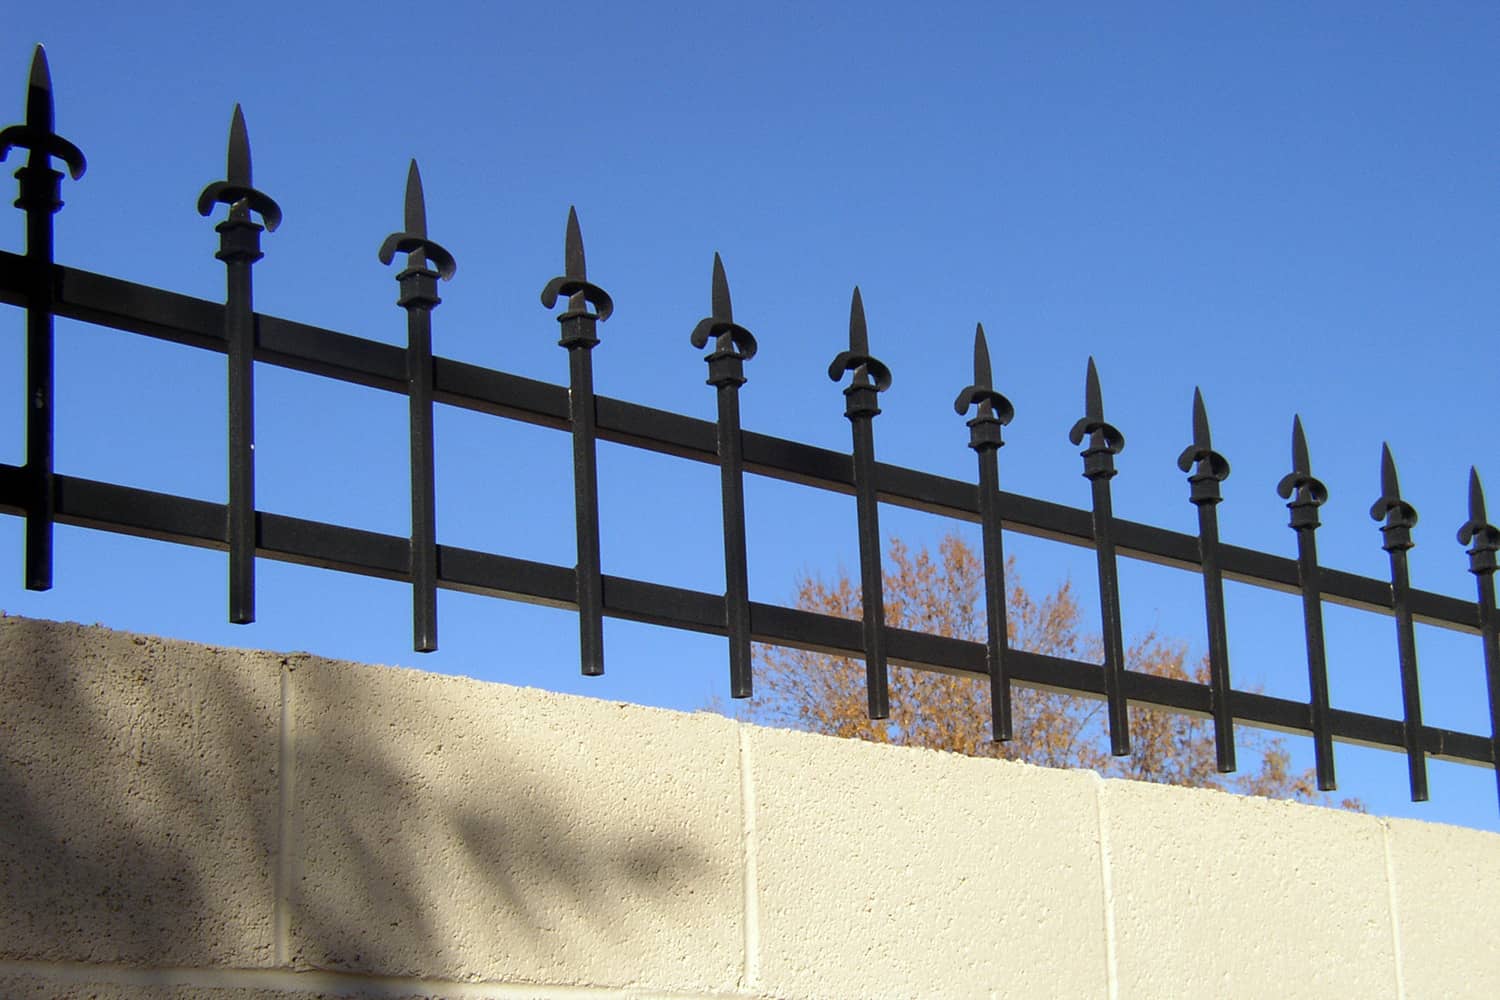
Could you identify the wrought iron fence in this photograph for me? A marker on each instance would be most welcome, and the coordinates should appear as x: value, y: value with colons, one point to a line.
x: 46, y: 290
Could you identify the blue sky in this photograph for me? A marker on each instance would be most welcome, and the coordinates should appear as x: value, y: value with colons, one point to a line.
x: 1295, y: 209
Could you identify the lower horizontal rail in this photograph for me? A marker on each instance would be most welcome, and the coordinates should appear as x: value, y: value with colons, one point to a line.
x: 130, y: 511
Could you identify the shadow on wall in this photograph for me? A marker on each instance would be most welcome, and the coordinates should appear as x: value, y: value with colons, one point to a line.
x: 437, y: 826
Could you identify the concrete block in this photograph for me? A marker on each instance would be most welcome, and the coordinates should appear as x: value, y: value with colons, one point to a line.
x: 895, y: 872
x: 468, y: 831
x: 1233, y: 896
x: 42, y: 987
x: 1446, y: 884
x: 139, y: 797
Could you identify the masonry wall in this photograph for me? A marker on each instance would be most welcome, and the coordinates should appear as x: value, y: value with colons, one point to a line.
x: 181, y: 821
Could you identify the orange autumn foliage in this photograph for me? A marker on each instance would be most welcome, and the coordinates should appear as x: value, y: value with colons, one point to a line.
x: 944, y: 594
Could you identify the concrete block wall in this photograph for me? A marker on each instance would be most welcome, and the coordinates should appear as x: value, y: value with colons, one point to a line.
x: 191, y: 823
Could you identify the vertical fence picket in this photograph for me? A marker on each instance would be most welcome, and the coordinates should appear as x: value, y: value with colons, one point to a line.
x: 579, y: 335
x: 1399, y: 517
x: 1305, y: 494
x: 994, y: 412
x: 1105, y: 442
x: 861, y: 405
x: 1209, y: 469
x: 239, y: 248
x: 419, y: 297
x: 733, y: 346
x: 1485, y: 539
x: 40, y: 197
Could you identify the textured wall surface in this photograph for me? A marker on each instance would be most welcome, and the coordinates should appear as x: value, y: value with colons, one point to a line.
x: 191, y: 823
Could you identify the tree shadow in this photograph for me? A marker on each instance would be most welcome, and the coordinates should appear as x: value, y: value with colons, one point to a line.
x: 140, y: 824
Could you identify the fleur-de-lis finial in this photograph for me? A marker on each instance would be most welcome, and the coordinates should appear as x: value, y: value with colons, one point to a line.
x: 1398, y: 515
x: 573, y: 282
x: 1309, y: 490
x: 994, y: 408
x: 1478, y: 530
x: 37, y: 133
x: 236, y: 189
x: 1212, y: 468
x: 1104, y: 437
x: 413, y: 241
x: 730, y: 339
x: 868, y: 372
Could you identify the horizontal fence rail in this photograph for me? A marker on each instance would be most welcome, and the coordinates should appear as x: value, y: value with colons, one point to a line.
x: 181, y: 319
x: 48, y: 290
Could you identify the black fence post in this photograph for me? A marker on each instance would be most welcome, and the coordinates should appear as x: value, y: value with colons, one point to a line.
x: 861, y: 405
x: 1209, y: 469
x: 419, y: 297
x: 1306, y: 494
x: 239, y: 248
x: 1486, y: 542
x: 733, y: 346
x: 1399, y: 517
x: 40, y: 197
x: 579, y: 335
x: 1105, y: 442
x: 994, y: 412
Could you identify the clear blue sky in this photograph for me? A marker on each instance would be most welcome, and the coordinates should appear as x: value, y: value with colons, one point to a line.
x: 1297, y: 209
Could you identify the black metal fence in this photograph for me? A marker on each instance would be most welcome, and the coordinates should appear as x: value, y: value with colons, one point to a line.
x: 46, y: 290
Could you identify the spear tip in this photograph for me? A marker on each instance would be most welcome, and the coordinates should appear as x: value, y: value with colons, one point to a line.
x: 1476, y: 498
x: 1300, y: 461
x: 723, y: 308
x: 416, y: 202
x: 983, y: 376
x: 1201, y: 437
x: 859, y: 337
x: 574, y: 265
x: 1093, y: 396
x: 39, y: 92
x: 41, y: 73
x: 238, y: 169
x: 1390, y: 486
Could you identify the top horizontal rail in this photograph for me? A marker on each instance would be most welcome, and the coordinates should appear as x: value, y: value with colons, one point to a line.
x: 112, y: 302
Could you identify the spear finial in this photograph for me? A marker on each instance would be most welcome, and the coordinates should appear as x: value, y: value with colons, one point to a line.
x: 994, y: 408
x: 1212, y: 468
x: 857, y: 358
x: 37, y: 134
x: 732, y: 342
x: 573, y: 282
x: 236, y: 189
x: 1477, y: 529
x: 1310, y: 491
x: 414, y: 215
x: 1104, y: 437
x: 412, y: 240
x: 1398, y: 515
